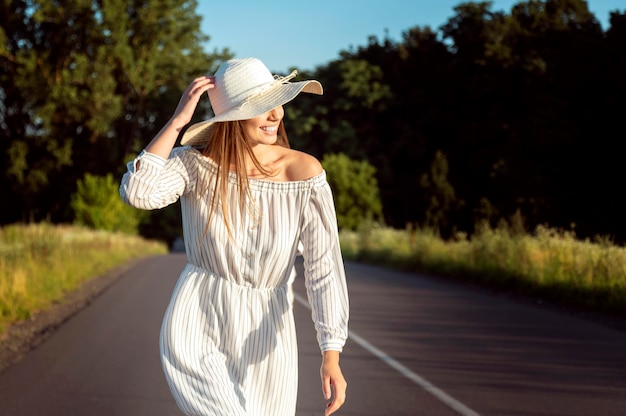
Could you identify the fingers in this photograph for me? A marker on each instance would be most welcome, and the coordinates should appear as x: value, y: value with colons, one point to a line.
x: 339, y: 396
x: 334, y: 385
x: 200, y: 85
x: 189, y: 100
x: 326, y: 388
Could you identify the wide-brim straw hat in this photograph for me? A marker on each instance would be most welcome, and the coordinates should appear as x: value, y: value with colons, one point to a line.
x: 244, y: 89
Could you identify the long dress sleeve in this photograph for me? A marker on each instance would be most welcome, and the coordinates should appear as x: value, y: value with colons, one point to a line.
x: 324, y: 272
x: 152, y: 182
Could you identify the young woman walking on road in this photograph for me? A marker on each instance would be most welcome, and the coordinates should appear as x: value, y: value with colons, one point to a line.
x: 250, y: 205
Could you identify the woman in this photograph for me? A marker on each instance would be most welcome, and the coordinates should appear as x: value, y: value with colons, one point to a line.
x: 250, y: 204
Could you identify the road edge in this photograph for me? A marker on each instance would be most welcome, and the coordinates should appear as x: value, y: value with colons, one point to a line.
x: 22, y: 337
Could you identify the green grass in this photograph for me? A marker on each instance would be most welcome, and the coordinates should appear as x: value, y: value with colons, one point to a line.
x: 41, y: 263
x: 547, y: 263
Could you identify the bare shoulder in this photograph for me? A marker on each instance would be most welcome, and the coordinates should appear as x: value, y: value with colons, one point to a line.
x: 301, y: 166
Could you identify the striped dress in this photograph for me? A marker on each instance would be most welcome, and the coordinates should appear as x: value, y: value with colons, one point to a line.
x: 228, y: 339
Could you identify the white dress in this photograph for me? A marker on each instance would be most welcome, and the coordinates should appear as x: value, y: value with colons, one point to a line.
x: 228, y: 340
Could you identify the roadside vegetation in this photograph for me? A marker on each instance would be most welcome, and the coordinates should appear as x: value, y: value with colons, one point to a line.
x: 40, y: 263
x: 549, y: 264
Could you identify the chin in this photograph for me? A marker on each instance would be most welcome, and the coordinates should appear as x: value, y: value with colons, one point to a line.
x: 270, y: 140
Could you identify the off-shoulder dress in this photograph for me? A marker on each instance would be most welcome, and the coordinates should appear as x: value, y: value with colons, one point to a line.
x: 228, y: 338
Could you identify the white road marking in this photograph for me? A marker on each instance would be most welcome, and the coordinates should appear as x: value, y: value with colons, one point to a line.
x: 442, y: 396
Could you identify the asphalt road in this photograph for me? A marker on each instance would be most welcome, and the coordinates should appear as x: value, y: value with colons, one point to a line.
x: 419, y: 346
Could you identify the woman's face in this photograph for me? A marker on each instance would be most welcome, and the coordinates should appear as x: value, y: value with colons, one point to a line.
x: 264, y: 128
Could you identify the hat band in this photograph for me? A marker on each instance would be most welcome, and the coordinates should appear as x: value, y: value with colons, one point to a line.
x: 278, y: 80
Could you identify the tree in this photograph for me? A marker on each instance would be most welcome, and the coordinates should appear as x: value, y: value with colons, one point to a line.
x: 97, y: 204
x: 157, y: 48
x: 524, y: 105
x: 45, y: 84
x: 84, y: 83
x: 355, y: 190
x: 439, y: 194
x: 354, y: 90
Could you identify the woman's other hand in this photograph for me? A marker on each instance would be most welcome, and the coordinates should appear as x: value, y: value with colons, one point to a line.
x: 334, y: 385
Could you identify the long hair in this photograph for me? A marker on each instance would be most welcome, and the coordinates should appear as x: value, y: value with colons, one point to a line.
x: 228, y: 147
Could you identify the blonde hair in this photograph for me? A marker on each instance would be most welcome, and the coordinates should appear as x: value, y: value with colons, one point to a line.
x: 228, y: 147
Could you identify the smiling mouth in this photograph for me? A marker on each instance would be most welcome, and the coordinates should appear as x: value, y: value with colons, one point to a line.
x: 270, y: 129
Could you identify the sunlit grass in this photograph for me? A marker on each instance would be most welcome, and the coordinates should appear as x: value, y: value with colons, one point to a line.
x: 40, y: 263
x: 549, y: 263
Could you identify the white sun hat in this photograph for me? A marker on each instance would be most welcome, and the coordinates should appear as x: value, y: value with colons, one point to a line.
x: 244, y: 89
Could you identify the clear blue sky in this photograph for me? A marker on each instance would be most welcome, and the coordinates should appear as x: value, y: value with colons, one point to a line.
x: 310, y: 33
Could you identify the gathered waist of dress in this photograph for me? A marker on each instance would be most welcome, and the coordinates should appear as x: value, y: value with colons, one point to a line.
x: 240, y: 282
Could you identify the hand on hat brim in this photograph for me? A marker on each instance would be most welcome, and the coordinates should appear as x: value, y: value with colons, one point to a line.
x: 199, y: 134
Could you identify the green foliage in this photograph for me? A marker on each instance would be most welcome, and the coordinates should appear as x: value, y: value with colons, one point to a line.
x: 439, y: 194
x: 84, y: 83
x: 525, y: 105
x: 42, y: 263
x: 363, y: 84
x: 548, y: 263
x: 97, y: 205
x: 355, y: 190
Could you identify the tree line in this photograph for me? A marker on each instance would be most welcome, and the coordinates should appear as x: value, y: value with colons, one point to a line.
x: 490, y: 114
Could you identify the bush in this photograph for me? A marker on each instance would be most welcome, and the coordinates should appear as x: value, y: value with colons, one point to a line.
x: 355, y: 189
x: 549, y: 263
x: 97, y: 204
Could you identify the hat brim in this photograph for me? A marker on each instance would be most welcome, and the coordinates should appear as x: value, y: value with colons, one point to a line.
x: 199, y: 134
